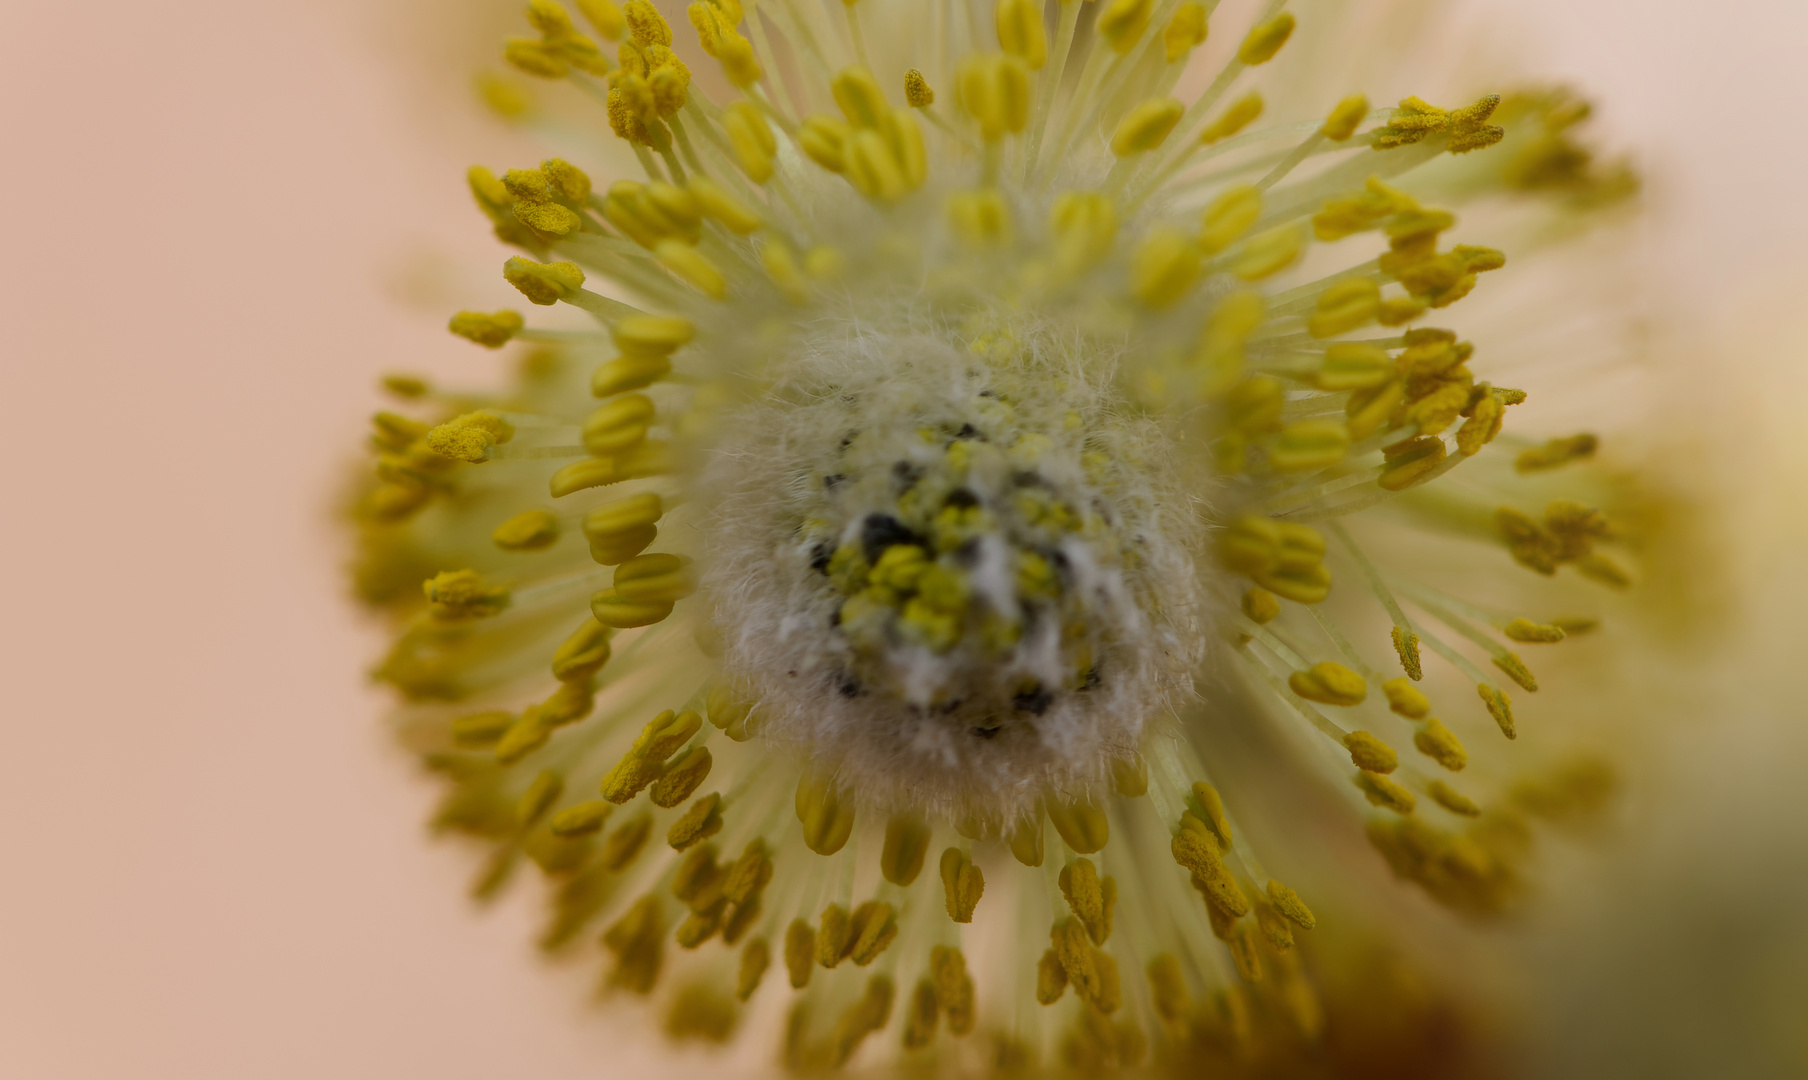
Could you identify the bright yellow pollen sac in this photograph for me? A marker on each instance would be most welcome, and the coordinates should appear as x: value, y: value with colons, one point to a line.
x: 1499, y: 706
x: 1406, y: 699
x: 1343, y: 307
x: 1020, y: 31
x: 1266, y: 40
x: 1268, y: 253
x: 1228, y: 217
x: 1185, y: 32
x: 1556, y: 453
x: 995, y: 91
x: 1082, y: 825
x: 1241, y: 113
x: 543, y: 283
x: 492, y: 331
x: 1436, y: 742
x: 962, y: 885
x: 1260, y: 605
x: 1310, y: 444
x: 1165, y: 266
x: 980, y: 218
x: 827, y: 821
x: 1384, y: 792
x: 1369, y: 753
x: 1345, y: 118
x: 1452, y: 800
x: 701, y: 821
x: 463, y: 594
x: 1122, y: 22
x: 1329, y: 683
x: 531, y: 530
x: 1533, y: 633
x: 469, y: 437
x: 917, y: 92
x: 1146, y: 126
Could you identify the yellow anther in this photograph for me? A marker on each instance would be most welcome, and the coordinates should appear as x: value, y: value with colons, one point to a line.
x: 1369, y: 753
x: 1146, y: 126
x: 1122, y: 22
x: 1329, y: 683
x: 469, y: 437
x: 1436, y: 741
x: 493, y: 330
x: 1268, y: 253
x: 1129, y: 778
x: 871, y: 928
x: 1483, y: 425
x: 539, y: 797
x: 682, y: 777
x: 1164, y: 267
x: 717, y: 34
x: 833, y: 936
x: 1186, y: 30
x: 871, y: 168
x: 906, y: 843
x: 1385, y: 792
x: 980, y: 218
x: 904, y: 142
x: 1260, y: 605
x: 1400, y: 310
x: 748, y: 875
x: 692, y: 267
x: 1265, y: 40
x: 1084, y: 224
x: 655, y: 578
x: 1309, y: 444
x: 464, y: 594
x: 481, y: 730
x: 522, y: 738
x: 605, y: 16
x: 1345, y: 118
x: 1228, y: 217
x: 827, y: 820
x: 1515, y: 669
x: 736, y: 216
x: 1241, y: 114
x: 628, y: 373
x: 755, y: 958
x: 1207, y: 808
x: 635, y: 939
x: 962, y: 885
x: 1219, y: 355
x: 1452, y: 800
x: 1244, y: 954
x: 664, y: 734
x: 1082, y: 825
x: 622, y: 845
x: 861, y: 1019
x: 1556, y: 453
x: 751, y: 139
x: 407, y: 387
x: 1406, y: 644
x: 548, y: 220
x: 994, y: 90
x: 619, y: 425
x: 923, y: 1015
x: 800, y: 953
x: 953, y: 987
x: 527, y: 531
x: 1410, y: 462
x: 1051, y: 979
x: 823, y: 138
x: 550, y: 18
x: 1345, y: 306
x: 1089, y: 897
x: 645, y: 25
x: 702, y: 821
x: 1528, y: 631
x: 1405, y: 699
x: 543, y: 283
x: 1352, y: 365
x: 535, y: 58
x: 395, y: 433
x: 580, y: 820
x: 1500, y: 707
x: 1080, y: 961
x: 1020, y: 31
x: 571, y: 702
x: 858, y: 94
x: 917, y: 92
x: 1288, y: 903
x: 612, y: 610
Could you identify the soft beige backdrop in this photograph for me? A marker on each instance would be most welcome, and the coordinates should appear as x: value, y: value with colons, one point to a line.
x: 214, y: 863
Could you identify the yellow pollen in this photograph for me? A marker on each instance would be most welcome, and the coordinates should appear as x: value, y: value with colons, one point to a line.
x: 1146, y: 126
x: 682, y: 777
x: 1556, y: 453
x: 1122, y: 22
x: 1535, y: 633
x: 1265, y: 40
x: 1082, y: 825
x: 827, y: 821
x: 701, y: 821
x: 755, y: 958
x: 1436, y: 742
x: 1260, y: 605
x: 962, y: 885
x: 580, y: 820
x: 1165, y: 266
x: 995, y: 91
x: 906, y: 844
x: 1369, y: 753
x: 1385, y: 792
x: 1329, y: 683
x: 1020, y: 31
x: 1405, y: 699
x: 800, y: 953
x: 1500, y: 707
x: 917, y: 92
x: 464, y: 594
x: 1241, y: 113
x: 1452, y: 800
x: 1185, y: 32
x: 1089, y: 897
x: 492, y: 331
x: 1345, y: 118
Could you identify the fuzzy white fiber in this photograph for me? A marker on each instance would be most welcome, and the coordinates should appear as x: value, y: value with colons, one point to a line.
x: 837, y: 440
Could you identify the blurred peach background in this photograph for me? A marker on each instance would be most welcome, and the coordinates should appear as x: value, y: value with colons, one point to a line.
x: 216, y: 863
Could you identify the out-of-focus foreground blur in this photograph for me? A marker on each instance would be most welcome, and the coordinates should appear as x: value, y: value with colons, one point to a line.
x: 227, y: 218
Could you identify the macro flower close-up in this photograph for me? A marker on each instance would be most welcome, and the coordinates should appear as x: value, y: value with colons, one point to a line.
x: 970, y: 537
x: 995, y: 462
